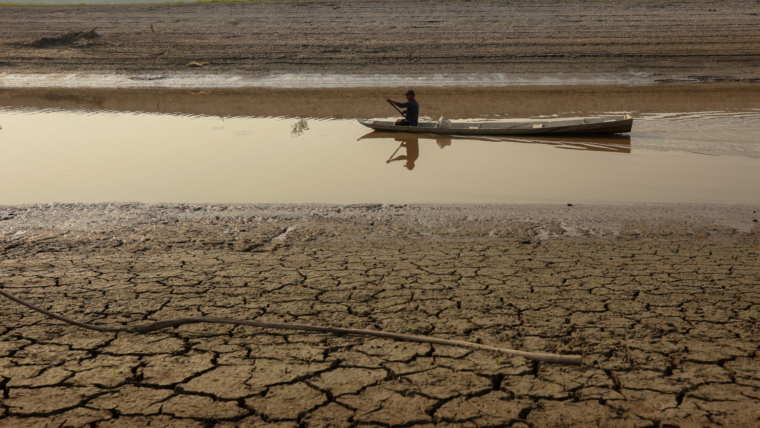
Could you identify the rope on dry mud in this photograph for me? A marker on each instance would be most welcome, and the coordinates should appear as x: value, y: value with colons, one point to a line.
x: 534, y: 356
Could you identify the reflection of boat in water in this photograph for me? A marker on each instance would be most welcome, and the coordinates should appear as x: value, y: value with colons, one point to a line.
x: 608, y: 143
x: 582, y: 126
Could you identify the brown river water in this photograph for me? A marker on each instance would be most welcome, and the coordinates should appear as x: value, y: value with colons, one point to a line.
x: 689, y: 144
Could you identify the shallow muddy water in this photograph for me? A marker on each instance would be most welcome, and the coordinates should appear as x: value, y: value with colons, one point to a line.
x: 688, y: 145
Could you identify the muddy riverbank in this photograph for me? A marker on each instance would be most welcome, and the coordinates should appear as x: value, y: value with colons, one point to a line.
x: 660, y: 300
x: 452, y: 103
x: 640, y: 41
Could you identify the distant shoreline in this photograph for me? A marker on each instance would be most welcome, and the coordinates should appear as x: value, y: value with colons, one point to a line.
x: 385, y: 43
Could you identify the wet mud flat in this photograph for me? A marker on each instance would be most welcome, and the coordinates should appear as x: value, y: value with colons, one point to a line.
x: 519, y: 101
x: 661, y: 301
x: 662, y: 40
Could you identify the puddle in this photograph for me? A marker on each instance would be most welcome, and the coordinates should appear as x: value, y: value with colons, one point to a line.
x: 688, y: 145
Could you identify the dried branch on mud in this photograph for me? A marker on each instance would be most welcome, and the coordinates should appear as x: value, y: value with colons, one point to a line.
x: 534, y: 356
x: 66, y: 39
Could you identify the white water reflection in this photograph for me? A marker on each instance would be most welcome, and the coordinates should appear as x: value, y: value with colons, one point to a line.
x: 719, y: 133
x: 60, y: 156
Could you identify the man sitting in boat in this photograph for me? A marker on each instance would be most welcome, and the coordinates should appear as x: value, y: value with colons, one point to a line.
x: 412, y: 112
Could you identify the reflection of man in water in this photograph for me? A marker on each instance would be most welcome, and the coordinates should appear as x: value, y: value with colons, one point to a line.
x: 412, y: 109
x: 412, y: 146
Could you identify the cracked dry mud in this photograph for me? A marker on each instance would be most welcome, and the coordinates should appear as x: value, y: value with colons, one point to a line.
x: 662, y: 302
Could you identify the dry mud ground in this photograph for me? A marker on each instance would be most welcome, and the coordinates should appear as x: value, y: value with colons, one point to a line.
x: 703, y: 39
x: 661, y: 301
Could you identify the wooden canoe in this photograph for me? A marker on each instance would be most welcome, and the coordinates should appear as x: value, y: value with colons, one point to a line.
x: 581, y: 126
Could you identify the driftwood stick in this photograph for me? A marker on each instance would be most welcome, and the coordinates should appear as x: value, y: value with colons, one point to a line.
x: 534, y: 356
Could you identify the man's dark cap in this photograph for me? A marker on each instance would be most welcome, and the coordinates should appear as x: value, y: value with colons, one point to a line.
x: 409, y: 92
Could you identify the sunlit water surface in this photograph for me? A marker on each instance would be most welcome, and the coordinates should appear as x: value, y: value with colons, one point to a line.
x: 55, y: 155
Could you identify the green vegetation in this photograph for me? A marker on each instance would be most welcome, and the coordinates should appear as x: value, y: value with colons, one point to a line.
x: 128, y: 3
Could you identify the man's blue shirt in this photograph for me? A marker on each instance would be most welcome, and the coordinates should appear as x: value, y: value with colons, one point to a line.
x: 412, y: 111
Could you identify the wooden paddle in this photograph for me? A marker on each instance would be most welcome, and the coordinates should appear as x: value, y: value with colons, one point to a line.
x: 394, y: 153
x: 399, y: 111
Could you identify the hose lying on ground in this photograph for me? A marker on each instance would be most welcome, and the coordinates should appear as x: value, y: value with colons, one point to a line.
x: 534, y: 356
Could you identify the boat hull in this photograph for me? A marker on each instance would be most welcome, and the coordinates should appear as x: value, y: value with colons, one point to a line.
x: 584, y: 126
